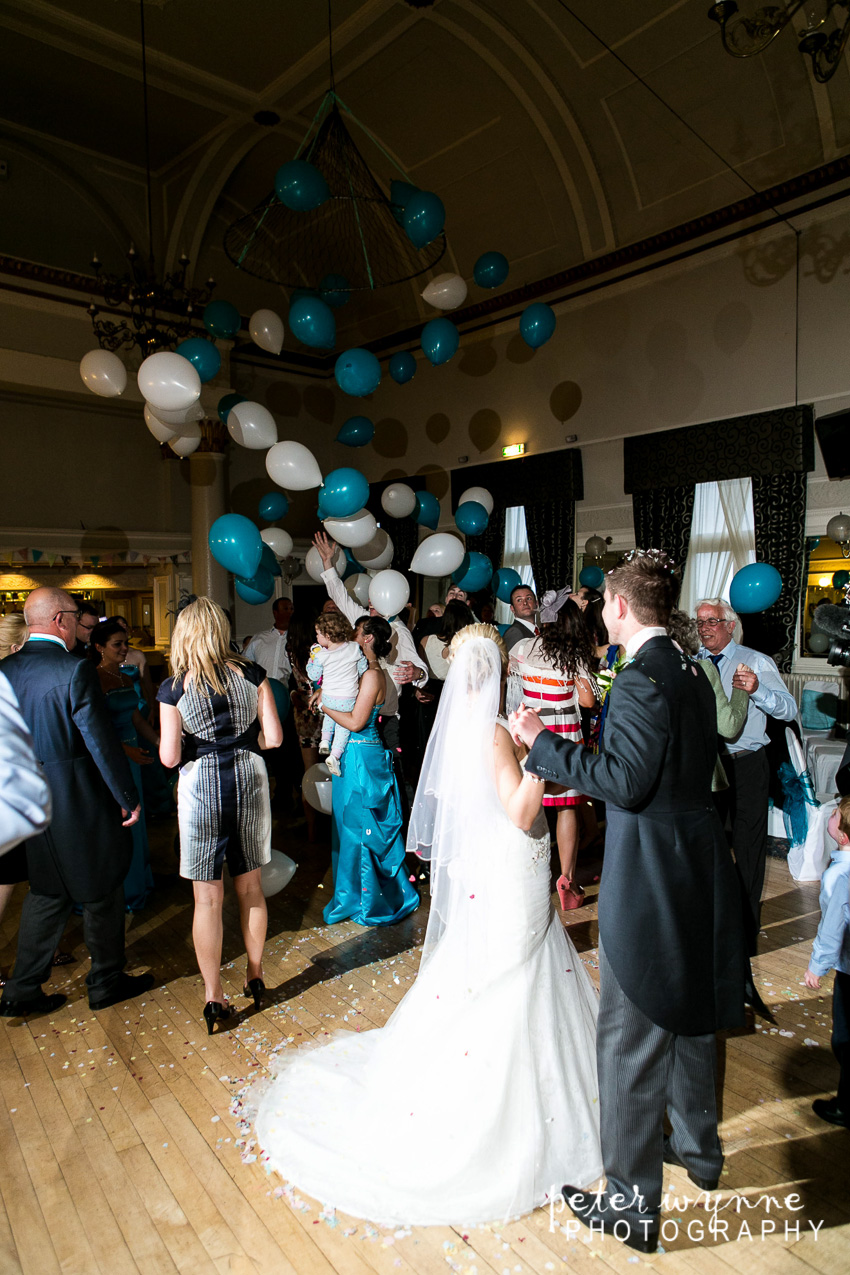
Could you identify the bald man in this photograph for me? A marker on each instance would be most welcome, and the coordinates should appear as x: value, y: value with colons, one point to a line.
x: 84, y: 855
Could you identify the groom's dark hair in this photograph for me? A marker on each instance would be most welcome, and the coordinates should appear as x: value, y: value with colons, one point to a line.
x: 649, y: 581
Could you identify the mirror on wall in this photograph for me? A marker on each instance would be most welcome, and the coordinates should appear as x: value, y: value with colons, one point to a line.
x: 825, y: 562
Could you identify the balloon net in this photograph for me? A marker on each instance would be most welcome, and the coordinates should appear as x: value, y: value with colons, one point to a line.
x: 355, y: 234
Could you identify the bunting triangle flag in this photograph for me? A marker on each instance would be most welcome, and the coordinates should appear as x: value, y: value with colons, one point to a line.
x: 95, y: 560
x: 146, y: 558
x: 23, y: 554
x: 132, y: 556
x: 51, y: 558
x: 37, y: 554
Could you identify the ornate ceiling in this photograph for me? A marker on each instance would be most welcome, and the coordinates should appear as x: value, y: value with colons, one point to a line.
x: 554, y: 132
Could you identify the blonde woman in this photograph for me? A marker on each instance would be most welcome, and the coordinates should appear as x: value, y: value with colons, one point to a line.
x: 13, y: 633
x: 216, y: 712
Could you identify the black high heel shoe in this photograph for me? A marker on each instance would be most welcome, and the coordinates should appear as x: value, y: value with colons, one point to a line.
x: 255, y: 987
x: 215, y: 1010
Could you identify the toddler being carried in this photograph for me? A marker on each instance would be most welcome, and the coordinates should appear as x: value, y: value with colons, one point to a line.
x: 336, y: 664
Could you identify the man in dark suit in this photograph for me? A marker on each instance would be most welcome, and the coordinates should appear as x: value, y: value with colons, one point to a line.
x: 671, y: 958
x: 524, y: 607
x: 85, y: 853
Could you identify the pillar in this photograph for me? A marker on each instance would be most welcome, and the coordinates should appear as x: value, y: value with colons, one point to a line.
x: 206, y: 479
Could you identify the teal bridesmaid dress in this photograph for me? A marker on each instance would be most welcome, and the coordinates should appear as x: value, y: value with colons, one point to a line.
x: 138, y: 883
x: 370, y: 881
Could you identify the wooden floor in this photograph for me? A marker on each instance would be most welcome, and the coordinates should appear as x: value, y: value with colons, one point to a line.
x: 121, y: 1151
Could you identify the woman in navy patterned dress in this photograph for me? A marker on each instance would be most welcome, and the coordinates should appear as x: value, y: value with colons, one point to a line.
x: 217, y: 712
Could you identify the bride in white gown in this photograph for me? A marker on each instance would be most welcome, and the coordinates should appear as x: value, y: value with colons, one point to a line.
x: 478, y: 1099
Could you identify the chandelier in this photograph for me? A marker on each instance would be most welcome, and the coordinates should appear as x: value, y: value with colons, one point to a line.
x: 153, y: 313
x: 823, y: 40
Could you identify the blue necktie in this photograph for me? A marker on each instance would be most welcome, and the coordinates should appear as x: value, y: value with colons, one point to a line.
x: 715, y: 659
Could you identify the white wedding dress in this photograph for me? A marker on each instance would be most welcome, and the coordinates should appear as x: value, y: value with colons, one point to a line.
x: 478, y: 1098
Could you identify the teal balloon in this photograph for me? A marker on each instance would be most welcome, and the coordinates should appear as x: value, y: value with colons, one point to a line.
x: 424, y: 218
x: 840, y: 579
x: 755, y: 588
x: 427, y: 510
x: 591, y: 577
x: 343, y: 493
x: 460, y: 572
x: 300, y: 185
x: 352, y: 566
x: 356, y: 431
x: 357, y: 372
x: 274, y: 506
x: 536, y: 324
x: 503, y: 628
x: 440, y: 339
x: 269, y: 561
x: 335, y: 290
x: 490, y: 270
x: 471, y: 518
x: 236, y: 545
x: 312, y: 322
x: 504, y: 581
x: 400, y: 195
x: 402, y: 367
x: 203, y: 356
x: 226, y: 403
x: 281, y: 697
x: 479, y: 573
x: 222, y: 319
x: 256, y: 590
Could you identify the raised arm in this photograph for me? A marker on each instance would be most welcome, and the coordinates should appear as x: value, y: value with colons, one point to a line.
x: 337, y: 592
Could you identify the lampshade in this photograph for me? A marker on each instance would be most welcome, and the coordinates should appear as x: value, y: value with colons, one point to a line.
x: 838, y: 529
x: 595, y: 547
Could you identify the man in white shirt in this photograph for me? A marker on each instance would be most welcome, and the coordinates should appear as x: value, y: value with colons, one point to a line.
x: 268, y: 649
x: 744, y: 757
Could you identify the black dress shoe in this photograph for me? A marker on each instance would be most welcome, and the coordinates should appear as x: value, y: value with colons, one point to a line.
x: 41, y: 1004
x: 128, y: 986
x: 643, y: 1236
x: 704, y: 1184
x: 827, y: 1108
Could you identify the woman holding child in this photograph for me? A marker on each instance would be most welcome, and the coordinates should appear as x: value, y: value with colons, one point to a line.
x: 370, y: 881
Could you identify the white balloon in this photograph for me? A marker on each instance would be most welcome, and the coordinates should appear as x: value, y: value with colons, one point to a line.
x: 438, y: 556
x: 277, y: 873
x: 388, y: 593
x: 278, y: 540
x: 169, y: 381
x: 316, y: 788
x: 192, y: 413
x: 378, y: 553
x: 266, y: 329
x: 184, y: 446
x: 315, y: 566
x: 292, y: 465
x: 446, y: 292
x: 358, y: 588
x: 103, y: 373
x: 398, y: 500
x: 252, y: 426
x: 481, y: 494
x: 162, y: 433
x: 352, y: 532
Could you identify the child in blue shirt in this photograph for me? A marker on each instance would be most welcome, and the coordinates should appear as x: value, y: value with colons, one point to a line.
x: 831, y: 950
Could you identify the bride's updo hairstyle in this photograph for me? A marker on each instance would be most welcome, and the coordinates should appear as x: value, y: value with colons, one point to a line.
x: 486, y: 631
x: 379, y: 629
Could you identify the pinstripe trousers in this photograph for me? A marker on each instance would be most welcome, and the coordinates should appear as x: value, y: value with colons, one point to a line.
x: 643, y: 1071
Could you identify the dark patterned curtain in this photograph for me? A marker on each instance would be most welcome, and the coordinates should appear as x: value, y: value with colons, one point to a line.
x: 491, y: 542
x: 551, y: 538
x: 779, y: 512
x: 404, y: 533
x: 663, y: 520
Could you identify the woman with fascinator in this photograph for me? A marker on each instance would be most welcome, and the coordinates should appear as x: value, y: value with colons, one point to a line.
x: 552, y: 673
x: 478, y: 1098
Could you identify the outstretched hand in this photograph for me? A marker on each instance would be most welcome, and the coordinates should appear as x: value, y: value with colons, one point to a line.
x: 525, y: 725
x: 326, y: 547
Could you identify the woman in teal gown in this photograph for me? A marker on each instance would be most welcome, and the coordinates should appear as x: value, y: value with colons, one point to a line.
x: 370, y: 881
x: 109, y: 649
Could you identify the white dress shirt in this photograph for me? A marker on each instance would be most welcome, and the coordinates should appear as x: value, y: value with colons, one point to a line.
x: 637, y: 640
x: 24, y: 795
x: 268, y: 649
x: 403, y: 647
x: 771, y: 699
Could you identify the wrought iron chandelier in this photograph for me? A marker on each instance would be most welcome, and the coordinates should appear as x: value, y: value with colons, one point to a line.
x: 823, y: 39
x: 153, y: 313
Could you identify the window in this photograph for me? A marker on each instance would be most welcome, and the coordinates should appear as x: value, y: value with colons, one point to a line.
x: 516, y: 555
x: 722, y: 540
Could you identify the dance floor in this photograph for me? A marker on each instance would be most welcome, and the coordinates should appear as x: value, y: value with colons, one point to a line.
x: 123, y: 1151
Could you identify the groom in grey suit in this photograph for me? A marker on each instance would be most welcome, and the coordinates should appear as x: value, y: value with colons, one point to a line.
x: 673, y: 969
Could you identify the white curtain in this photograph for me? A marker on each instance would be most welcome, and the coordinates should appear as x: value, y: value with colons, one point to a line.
x: 515, y: 555
x: 722, y: 540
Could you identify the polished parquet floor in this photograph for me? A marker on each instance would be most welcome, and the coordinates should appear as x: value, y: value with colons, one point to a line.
x: 122, y: 1150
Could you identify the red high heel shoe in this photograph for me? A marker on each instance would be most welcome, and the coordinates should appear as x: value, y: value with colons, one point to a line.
x: 570, y: 895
